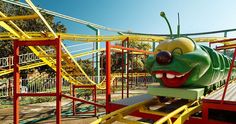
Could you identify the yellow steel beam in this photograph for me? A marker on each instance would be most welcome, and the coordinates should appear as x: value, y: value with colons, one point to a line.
x: 48, y: 61
x: 186, y: 114
x: 126, y: 121
x: 132, y: 74
x: 41, y: 16
x: 8, y: 28
x: 35, y: 51
x: 51, y: 62
x: 22, y: 68
x: 16, y: 31
x: 55, y: 36
x: 147, y: 111
x: 92, y: 38
x: 26, y: 17
x: 84, y: 38
x: 87, y: 53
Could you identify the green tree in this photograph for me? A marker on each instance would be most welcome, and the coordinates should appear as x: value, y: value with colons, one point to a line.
x: 87, y: 66
x: 36, y: 25
x: 136, y: 62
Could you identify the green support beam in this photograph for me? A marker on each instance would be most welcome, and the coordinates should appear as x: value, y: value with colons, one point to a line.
x: 97, y: 54
x: 153, y: 46
x: 125, y: 55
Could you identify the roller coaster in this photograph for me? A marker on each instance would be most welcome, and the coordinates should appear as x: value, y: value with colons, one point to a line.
x: 177, y: 99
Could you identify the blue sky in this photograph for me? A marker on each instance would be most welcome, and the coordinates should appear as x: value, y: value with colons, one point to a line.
x: 143, y: 15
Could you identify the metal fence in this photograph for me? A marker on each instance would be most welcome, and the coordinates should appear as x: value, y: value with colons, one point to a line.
x: 45, y: 84
x: 23, y: 59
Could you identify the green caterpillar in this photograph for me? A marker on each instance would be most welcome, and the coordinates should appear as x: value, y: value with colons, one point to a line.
x: 181, y: 62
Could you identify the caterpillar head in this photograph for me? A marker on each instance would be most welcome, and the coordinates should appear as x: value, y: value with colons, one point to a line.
x: 178, y: 62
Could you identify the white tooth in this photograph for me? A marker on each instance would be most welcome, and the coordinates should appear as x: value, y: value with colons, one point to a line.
x: 170, y: 76
x: 159, y: 75
x: 180, y: 75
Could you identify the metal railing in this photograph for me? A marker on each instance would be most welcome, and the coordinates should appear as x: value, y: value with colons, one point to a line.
x: 23, y: 59
x: 42, y: 83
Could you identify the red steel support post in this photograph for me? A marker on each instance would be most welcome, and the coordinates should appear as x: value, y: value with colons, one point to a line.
x: 131, y: 70
x: 123, y: 71
x: 93, y: 64
x: 102, y: 67
x: 127, y: 76
x: 205, y: 112
x: 108, y: 76
x: 17, y: 93
x: 73, y: 101
x: 10, y: 83
x: 95, y: 100
x: 16, y: 82
x: 58, y: 81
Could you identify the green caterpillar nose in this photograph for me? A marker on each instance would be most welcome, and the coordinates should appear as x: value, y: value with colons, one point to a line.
x: 164, y: 57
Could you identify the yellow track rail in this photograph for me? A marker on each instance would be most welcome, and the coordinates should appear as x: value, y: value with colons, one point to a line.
x: 92, y: 38
x: 25, y: 67
x: 184, y: 112
x: 181, y: 114
x: 70, y: 67
x: 68, y: 60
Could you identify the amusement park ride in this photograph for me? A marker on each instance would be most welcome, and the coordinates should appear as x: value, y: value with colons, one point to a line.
x: 194, y: 79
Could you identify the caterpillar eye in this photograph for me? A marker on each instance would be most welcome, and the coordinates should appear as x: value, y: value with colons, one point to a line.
x: 164, y: 57
x: 177, y: 51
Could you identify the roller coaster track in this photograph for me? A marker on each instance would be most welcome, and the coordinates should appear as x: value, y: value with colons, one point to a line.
x: 25, y: 67
x: 92, y: 38
x: 181, y: 114
x: 21, y: 4
x: 70, y: 68
x: 18, y: 3
x: 45, y: 57
x: 73, y: 73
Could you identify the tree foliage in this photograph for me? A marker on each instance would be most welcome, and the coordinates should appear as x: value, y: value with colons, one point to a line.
x: 87, y: 66
x: 34, y: 25
x: 136, y: 61
x: 26, y: 25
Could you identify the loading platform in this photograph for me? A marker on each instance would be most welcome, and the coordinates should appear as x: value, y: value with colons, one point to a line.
x: 230, y: 97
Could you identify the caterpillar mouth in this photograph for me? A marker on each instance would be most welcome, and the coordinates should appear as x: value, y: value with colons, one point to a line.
x: 172, y: 78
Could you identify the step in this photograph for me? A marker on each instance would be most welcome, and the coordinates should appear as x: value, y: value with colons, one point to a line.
x: 184, y: 93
